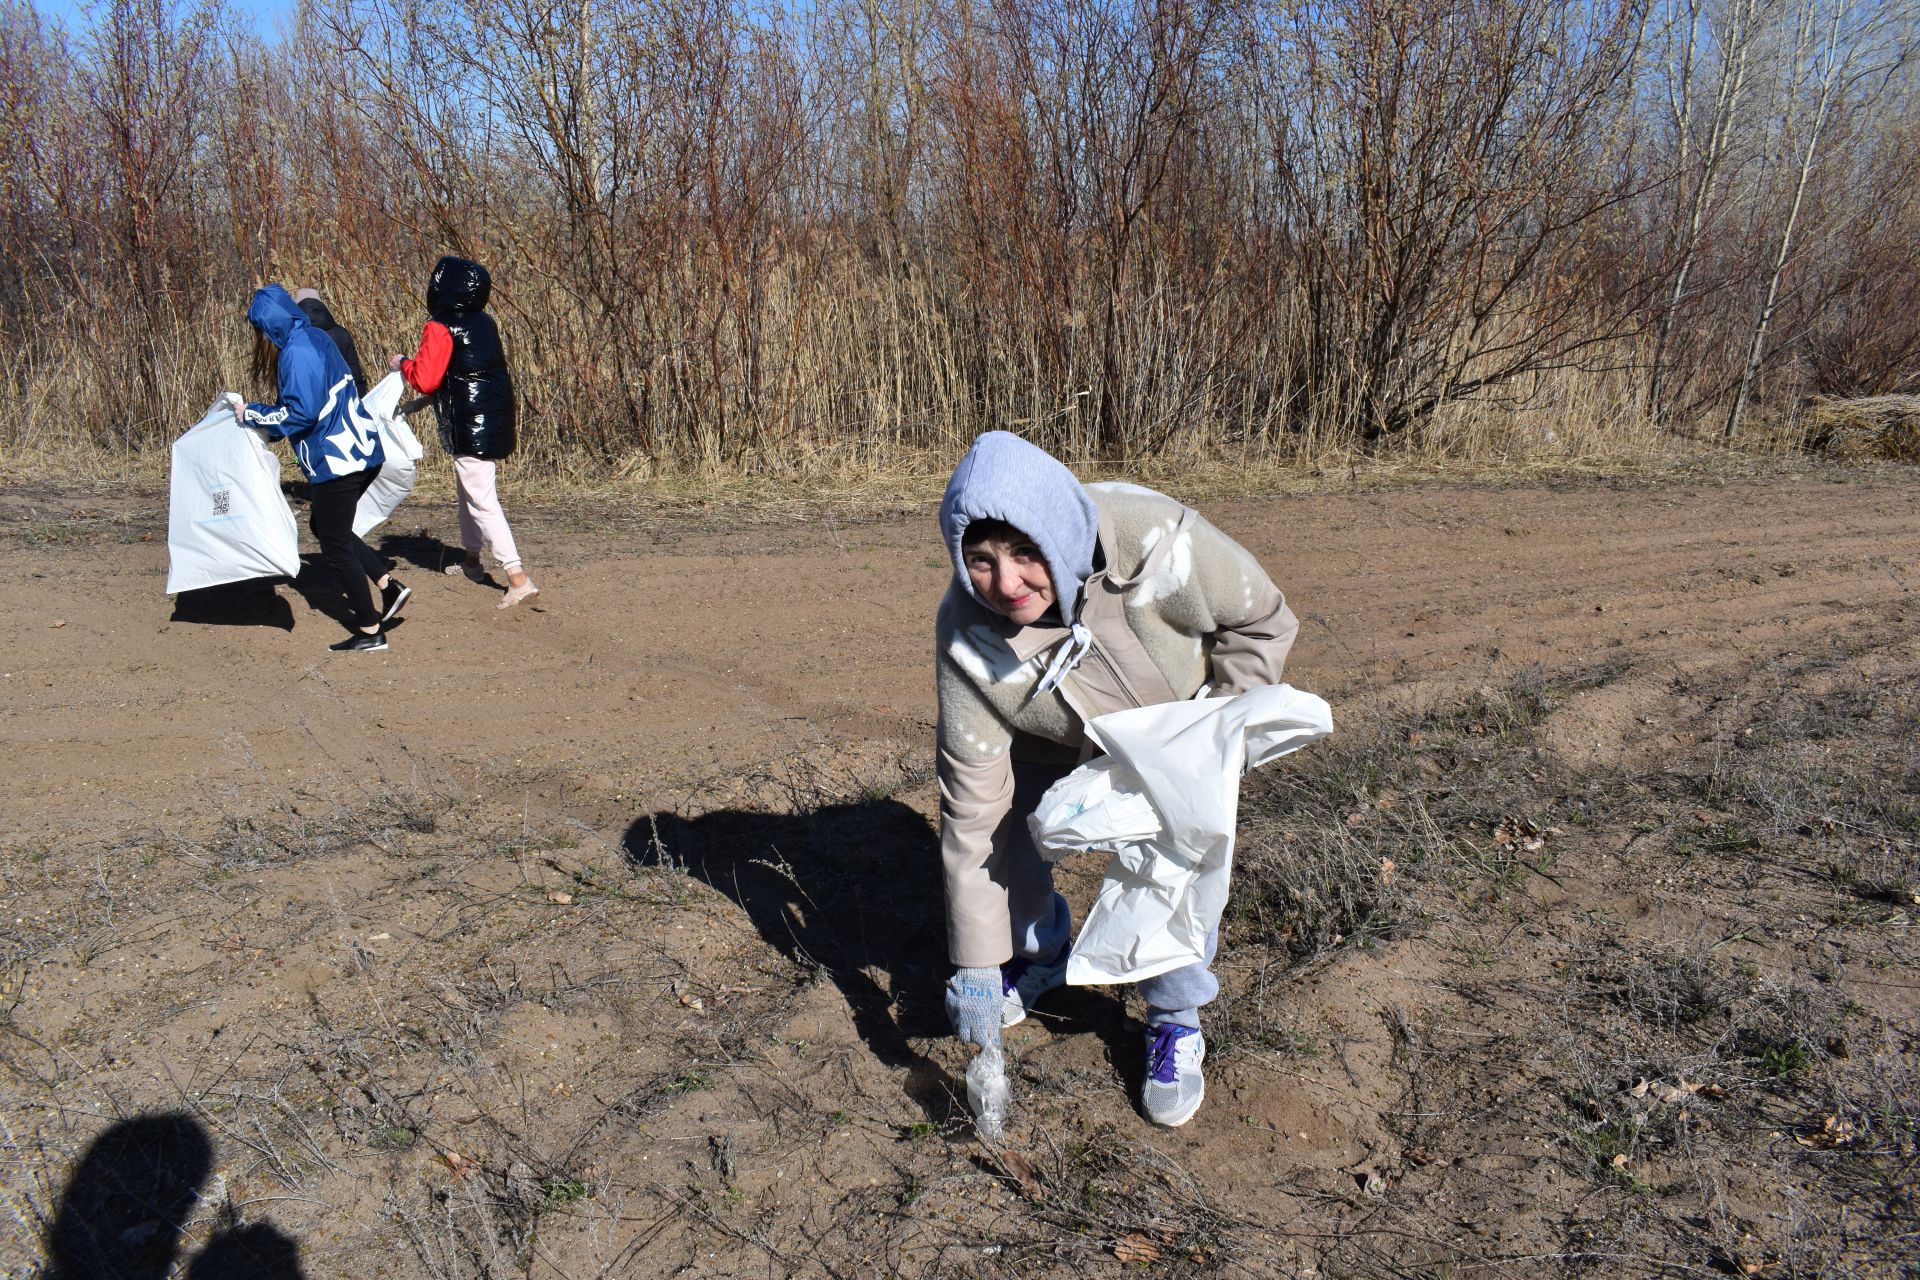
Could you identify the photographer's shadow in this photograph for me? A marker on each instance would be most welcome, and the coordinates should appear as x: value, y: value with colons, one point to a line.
x: 852, y: 889
x: 131, y: 1195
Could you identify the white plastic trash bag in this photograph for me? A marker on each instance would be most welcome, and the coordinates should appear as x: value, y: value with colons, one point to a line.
x: 226, y: 517
x: 402, y: 447
x: 1164, y: 800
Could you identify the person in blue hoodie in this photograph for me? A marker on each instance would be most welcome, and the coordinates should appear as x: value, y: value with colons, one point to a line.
x: 337, y: 443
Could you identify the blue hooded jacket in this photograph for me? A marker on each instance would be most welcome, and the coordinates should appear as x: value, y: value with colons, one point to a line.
x: 319, y: 411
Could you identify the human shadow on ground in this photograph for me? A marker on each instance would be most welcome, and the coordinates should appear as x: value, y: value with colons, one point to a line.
x: 252, y: 603
x: 424, y: 551
x: 128, y: 1199
x: 852, y: 888
x: 260, y: 1251
x: 320, y: 587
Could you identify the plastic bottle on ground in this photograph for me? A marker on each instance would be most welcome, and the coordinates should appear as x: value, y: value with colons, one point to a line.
x: 987, y: 1092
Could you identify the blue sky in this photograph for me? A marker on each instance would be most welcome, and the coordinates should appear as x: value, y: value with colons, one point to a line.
x: 265, y: 13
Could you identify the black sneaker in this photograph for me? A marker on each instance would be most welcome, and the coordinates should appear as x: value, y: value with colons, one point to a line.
x: 392, y: 596
x: 361, y: 642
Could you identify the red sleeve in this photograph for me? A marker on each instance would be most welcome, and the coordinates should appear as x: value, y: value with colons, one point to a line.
x: 429, y: 364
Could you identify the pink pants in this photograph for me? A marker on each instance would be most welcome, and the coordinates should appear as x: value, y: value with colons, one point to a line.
x: 482, y: 523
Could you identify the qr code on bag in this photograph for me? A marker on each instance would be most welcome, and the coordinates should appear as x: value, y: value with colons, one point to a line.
x: 223, y: 502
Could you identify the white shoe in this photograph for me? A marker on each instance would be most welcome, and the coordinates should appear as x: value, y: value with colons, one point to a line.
x: 1175, y: 1087
x: 525, y: 591
x: 1028, y: 980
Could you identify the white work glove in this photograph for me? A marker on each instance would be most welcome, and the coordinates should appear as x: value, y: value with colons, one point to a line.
x: 238, y: 403
x: 975, y: 999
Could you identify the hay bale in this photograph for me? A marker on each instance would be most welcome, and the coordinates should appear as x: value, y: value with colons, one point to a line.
x: 1873, y: 427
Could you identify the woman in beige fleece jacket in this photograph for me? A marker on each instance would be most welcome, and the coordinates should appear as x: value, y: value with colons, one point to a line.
x: 1069, y: 601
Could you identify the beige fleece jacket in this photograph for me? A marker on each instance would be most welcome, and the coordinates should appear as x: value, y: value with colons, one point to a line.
x: 1205, y: 614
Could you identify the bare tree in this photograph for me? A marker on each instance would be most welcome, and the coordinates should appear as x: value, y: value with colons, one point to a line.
x: 1841, y: 51
x: 730, y: 235
x: 1728, y: 34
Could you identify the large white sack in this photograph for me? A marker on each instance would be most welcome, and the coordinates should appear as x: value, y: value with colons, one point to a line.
x: 1164, y: 800
x: 226, y: 517
x: 401, y: 469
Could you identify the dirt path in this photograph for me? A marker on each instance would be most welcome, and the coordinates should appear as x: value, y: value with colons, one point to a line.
x: 714, y: 650
x: 598, y: 938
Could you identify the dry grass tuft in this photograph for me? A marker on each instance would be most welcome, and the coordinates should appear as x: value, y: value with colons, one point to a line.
x: 1871, y: 428
x: 1739, y: 1100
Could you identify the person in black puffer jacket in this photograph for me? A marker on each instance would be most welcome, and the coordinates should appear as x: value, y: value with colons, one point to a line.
x: 463, y: 367
x: 322, y: 319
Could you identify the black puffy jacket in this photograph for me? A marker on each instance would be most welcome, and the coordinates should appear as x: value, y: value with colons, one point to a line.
x: 475, y: 402
x: 322, y: 319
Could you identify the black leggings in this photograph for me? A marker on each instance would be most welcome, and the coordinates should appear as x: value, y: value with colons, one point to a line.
x: 353, y: 561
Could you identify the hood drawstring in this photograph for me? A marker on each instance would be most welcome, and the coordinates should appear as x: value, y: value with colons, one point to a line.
x: 1077, y: 645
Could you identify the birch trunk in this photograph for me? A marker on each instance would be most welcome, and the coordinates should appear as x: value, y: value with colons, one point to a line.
x: 1756, y: 350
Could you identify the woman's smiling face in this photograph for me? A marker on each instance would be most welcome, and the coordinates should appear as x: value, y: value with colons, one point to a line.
x: 1010, y: 575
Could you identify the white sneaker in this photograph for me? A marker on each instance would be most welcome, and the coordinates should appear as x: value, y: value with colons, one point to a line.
x: 1026, y: 981
x: 1174, y: 1088
x: 514, y: 595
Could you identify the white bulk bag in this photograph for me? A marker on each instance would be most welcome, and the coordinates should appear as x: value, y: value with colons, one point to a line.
x: 402, y: 447
x: 1164, y: 800
x: 226, y: 517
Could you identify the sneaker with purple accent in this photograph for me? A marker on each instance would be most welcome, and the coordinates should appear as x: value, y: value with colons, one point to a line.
x: 1027, y: 980
x: 1174, y: 1087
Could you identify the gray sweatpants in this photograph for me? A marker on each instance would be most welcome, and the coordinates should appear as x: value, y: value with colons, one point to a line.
x: 1042, y: 925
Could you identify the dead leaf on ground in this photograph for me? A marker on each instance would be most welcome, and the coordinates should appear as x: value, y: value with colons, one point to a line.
x: 1134, y: 1247
x: 1838, y: 1131
x: 560, y: 899
x: 1518, y: 833
x: 1024, y: 1175
x: 1660, y: 1091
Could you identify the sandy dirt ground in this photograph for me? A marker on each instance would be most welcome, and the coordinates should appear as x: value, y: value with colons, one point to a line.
x: 658, y: 653
x: 601, y: 936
